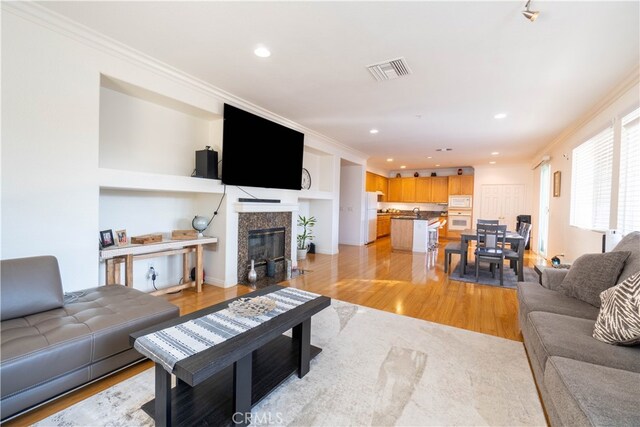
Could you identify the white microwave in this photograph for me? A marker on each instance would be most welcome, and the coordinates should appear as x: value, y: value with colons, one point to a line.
x: 460, y: 202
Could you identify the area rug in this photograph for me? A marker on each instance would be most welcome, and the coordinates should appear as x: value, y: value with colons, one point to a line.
x: 510, y: 279
x: 376, y: 368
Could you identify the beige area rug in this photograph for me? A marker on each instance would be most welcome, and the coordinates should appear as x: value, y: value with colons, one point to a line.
x: 376, y: 368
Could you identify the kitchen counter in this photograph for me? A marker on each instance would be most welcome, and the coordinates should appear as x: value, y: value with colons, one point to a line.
x: 410, y: 232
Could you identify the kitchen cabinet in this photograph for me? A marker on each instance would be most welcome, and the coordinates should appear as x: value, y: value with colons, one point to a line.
x: 395, y: 190
x: 432, y: 189
x: 384, y: 225
x: 402, y: 234
x: 461, y: 185
x: 370, y: 182
x: 402, y: 190
x: 440, y: 189
x: 375, y: 182
x: 423, y: 190
x: 408, y: 189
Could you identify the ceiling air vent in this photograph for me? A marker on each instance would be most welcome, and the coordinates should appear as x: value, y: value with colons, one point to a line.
x: 390, y: 69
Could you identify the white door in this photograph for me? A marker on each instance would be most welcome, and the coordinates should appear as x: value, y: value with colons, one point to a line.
x: 503, y: 202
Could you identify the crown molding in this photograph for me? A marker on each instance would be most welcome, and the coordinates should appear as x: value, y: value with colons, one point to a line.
x: 60, y: 24
x: 620, y: 89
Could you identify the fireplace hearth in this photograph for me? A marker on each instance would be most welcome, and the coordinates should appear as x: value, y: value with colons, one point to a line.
x: 261, y: 236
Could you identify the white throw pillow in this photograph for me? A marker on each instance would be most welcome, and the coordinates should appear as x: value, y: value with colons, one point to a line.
x: 619, y: 317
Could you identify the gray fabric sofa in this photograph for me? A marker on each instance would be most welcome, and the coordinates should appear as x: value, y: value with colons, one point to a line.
x: 53, y: 342
x: 582, y: 381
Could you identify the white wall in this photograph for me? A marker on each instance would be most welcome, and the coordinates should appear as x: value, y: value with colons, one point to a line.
x: 51, y: 151
x: 351, y: 204
x: 563, y: 238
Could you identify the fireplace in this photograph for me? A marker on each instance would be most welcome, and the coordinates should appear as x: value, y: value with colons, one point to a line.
x: 261, y: 236
x: 266, y: 244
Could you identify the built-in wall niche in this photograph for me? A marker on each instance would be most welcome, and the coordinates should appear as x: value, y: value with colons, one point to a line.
x: 321, y: 168
x: 144, y: 131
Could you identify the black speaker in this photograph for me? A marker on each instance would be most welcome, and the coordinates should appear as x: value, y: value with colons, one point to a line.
x: 207, y: 164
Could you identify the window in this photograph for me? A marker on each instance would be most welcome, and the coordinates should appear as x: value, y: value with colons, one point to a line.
x: 629, y: 192
x: 592, y: 170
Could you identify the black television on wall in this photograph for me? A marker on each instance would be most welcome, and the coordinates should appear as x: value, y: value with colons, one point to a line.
x: 257, y: 152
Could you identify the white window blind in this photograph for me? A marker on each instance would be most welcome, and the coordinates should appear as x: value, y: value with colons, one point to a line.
x: 592, y: 169
x: 629, y: 193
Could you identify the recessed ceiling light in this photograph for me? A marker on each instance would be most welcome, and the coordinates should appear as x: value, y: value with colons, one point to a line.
x: 429, y: 157
x: 403, y: 167
x: 500, y: 116
x: 389, y: 160
x: 492, y: 163
x: 262, y: 52
x: 374, y: 131
x: 495, y: 153
x: 444, y: 149
x: 437, y: 165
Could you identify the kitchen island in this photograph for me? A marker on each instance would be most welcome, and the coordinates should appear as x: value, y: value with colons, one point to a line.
x: 409, y: 232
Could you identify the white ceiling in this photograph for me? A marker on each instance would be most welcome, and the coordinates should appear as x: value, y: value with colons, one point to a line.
x: 470, y: 61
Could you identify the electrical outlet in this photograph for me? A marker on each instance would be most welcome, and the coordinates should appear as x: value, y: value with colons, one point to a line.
x: 152, y: 274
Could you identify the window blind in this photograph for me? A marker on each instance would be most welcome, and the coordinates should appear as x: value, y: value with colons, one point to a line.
x: 629, y: 192
x: 592, y: 169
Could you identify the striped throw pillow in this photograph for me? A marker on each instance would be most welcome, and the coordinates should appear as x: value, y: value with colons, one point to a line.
x: 619, y: 317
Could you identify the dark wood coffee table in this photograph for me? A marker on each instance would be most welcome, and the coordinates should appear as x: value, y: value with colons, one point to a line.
x: 220, y: 385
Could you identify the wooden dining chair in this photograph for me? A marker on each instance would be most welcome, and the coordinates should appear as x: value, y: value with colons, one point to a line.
x: 490, y: 248
x: 488, y: 222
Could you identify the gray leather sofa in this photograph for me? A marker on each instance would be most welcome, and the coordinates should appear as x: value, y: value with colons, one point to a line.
x: 582, y: 381
x: 52, y: 342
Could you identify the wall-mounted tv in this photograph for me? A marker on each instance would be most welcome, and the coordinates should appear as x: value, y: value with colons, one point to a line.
x: 257, y: 152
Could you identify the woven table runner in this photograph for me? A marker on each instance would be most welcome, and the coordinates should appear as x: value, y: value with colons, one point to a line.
x: 178, y: 342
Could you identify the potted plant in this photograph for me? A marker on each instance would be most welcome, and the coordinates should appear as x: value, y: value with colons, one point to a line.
x: 305, y: 237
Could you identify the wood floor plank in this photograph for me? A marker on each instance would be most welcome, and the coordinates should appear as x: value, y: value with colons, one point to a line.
x: 374, y: 276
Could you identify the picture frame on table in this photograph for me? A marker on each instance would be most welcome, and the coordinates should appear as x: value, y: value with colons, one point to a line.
x: 121, y: 238
x: 106, y: 238
x: 556, y: 184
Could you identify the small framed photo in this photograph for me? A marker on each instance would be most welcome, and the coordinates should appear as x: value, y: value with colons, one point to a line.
x: 106, y: 238
x: 121, y: 237
x: 556, y: 184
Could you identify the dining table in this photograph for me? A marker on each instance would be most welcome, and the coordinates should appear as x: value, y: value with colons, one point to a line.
x: 471, y: 234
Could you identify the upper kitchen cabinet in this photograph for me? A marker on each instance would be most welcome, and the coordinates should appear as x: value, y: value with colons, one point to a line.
x: 408, y: 186
x: 439, y: 189
x: 394, y: 190
x: 461, y: 185
x: 432, y: 189
x: 370, y: 182
x: 375, y: 182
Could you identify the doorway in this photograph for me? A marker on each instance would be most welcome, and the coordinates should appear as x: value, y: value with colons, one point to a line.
x: 545, y: 186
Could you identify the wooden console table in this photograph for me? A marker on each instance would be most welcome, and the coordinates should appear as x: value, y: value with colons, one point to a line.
x: 116, y: 255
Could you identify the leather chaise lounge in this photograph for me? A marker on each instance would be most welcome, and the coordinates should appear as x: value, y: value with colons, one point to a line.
x: 53, y: 342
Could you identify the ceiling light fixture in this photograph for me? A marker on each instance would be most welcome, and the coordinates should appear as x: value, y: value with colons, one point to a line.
x: 403, y: 167
x: 437, y: 165
x: 429, y: 157
x: 262, y: 52
x: 492, y: 163
x: 444, y: 149
x: 531, y: 15
x: 374, y: 131
x: 500, y: 116
x: 495, y: 153
x: 389, y: 160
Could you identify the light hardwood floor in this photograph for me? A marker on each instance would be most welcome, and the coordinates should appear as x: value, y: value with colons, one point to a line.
x: 374, y: 276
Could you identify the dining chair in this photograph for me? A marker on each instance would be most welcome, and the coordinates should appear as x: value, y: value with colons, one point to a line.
x: 516, y: 253
x: 488, y: 222
x: 490, y: 247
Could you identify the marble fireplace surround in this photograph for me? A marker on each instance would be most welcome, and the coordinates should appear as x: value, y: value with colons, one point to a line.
x: 256, y: 221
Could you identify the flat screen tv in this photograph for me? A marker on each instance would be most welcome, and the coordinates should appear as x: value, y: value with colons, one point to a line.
x: 257, y: 152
